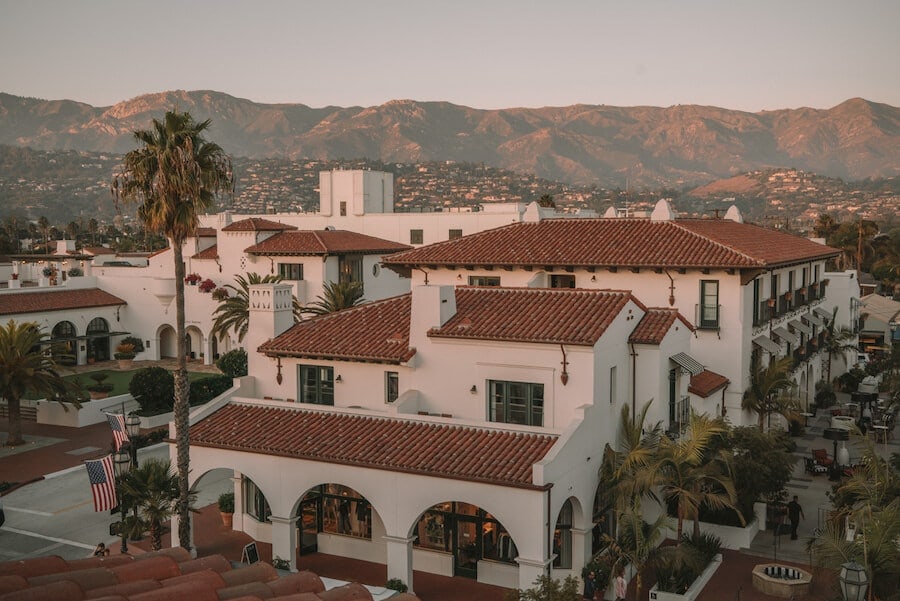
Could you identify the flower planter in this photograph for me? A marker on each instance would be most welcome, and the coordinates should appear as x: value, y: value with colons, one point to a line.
x: 126, y: 364
x: 227, y: 519
x: 95, y: 396
x: 695, y: 589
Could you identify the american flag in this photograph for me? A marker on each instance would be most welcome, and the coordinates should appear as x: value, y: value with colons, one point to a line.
x: 117, y: 424
x: 103, y: 482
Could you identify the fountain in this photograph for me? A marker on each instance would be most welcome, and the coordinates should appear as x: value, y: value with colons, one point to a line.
x: 780, y: 580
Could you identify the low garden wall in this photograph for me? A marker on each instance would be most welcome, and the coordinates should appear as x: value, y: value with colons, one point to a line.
x: 695, y: 589
x: 732, y: 537
x: 91, y: 412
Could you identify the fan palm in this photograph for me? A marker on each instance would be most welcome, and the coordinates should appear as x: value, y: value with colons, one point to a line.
x: 336, y: 296
x: 174, y: 176
x: 837, y: 341
x: 26, y: 368
x: 765, y: 394
x: 153, y: 489
x: 233, y: 313
x: 691, y: 475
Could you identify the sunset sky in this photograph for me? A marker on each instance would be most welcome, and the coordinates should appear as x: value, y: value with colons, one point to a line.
x: 741, y: 54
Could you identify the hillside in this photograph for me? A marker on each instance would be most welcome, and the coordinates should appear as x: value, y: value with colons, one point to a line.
x: 605, y: 145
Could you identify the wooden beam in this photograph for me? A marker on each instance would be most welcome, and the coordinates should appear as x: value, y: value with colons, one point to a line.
x: 748, y: 275
x: 635, y: 270
x: 612, y: 269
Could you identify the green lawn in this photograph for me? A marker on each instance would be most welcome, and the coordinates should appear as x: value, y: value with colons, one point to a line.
x: 120, y: 379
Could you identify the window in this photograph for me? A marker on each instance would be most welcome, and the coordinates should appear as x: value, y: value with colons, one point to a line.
x: 391, y: 386
x: 342, y: 510
x: 562, y: 538
x: 709, y: 304
x: 484, y: 280
x: 757, y: 310
x: 454, y: 234
x: 612, y: 385
x: 562, y: 281
x: 290, y: 271
x: 255, y: 504
x: 343, y: 208
x: 350, y: 268
x: 316, y: 384
x: 815, y: 274
x: 516, y: 403
x: 416, y: 237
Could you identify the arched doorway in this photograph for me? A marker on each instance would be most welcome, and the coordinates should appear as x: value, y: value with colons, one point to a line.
x: 98, y: 340
x: 468, y: 533
x: 332, y: 509
x: 63, y: 347
x: 193, y: 339
x: 168, y: 347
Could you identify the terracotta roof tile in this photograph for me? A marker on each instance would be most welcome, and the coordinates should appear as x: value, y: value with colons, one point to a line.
x: 556, y: 316
x: 432, y: 449
x: 38, y: 302
x: 98, y: 250
x: 208, y: 253
x: 376, y: 331
x: 206, y: 232
x: 257, y: 224
x: 707, y: 382
x: 620, y: 242
x: 655, y: 324
x: 324, y: 242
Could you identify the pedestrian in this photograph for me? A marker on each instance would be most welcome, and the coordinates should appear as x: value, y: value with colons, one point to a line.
x: 589, y: 586
x: 100, y: 550
x: 795, y: 512
x: 621, y: 585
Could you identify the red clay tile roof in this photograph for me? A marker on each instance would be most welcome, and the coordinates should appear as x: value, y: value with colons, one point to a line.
x: 543, y: 315
x: 324, y: 242
x: 98, y: 250
x: 376, y: 331
x: 257, y: 224
x: 693, y: 243
x: 208, y: 253
x: 707, y: 382
x: 431, y: 449
x: 655, y: 324
x: 38, y: 302
x: 206, y: 232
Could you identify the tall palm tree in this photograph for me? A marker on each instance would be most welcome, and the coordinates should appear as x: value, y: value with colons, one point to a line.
x: 174, y: 176
x: 152, y: 487
x: 692, y: 476
x: 626, y: 470
x: 838, y: 340
x: 637, y: 542
x: 233, y: 313
x: 336, y: 296
x: 766, y: 392
x: 26, y: 368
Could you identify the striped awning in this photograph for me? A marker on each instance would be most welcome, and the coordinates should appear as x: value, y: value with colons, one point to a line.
x: 801, y: 327
x: 814, y: 319
x: 688, y: 363
x: 822, y: 313
x: 767, y: 344
x: 786, y: 336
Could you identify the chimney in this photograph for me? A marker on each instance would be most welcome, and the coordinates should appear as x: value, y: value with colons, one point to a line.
x: 271, y: 313
x: 432, y: 306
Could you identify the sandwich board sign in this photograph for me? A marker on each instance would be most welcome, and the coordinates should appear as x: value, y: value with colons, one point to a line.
x: 250, y: 553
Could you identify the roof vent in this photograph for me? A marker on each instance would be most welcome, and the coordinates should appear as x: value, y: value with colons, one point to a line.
x: 734, y: 214
x: 663, y: 211
x: 329, y: 228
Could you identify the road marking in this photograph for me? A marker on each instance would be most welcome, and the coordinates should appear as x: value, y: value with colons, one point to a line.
x: 31, y: 511
x: 71, y: 507
x: 64, y: 541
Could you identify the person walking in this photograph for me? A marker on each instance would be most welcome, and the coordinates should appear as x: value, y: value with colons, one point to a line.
x: 621, y: 585
x: 590, y: 587
x: 795, y: 512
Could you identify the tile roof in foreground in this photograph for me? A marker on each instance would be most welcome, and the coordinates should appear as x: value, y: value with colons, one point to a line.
x: 681, y: 243
x: 208, y: 253
x: 323, y: 242
x: 377, y: 331
x: 257, y: 224
x: 707, y: 382
x: 56, y: 300
x: 541, y: 315
x: 441, y: 450
x: 655, y: 324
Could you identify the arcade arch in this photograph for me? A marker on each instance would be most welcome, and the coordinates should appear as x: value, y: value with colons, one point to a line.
x: 62, y: 338
x: 168, y: 345
x: 98, y: 340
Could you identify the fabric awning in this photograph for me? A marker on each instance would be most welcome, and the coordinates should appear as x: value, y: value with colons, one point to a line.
x: 786, y: 336
x: 814, y: 319
x: 767, y: 344
x: 801, y: 327
x: 822, y: 313
x: 688, y: 363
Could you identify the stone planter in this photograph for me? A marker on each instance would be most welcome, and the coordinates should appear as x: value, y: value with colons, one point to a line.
x: 695, y: 589
x: 126, y: 364
x: 95, y: 396
x: 227, y: 519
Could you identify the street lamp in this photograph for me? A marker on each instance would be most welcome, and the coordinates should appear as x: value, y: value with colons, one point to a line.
x: 133, y: 427
x: 121, y: 466
x: 854, y: 582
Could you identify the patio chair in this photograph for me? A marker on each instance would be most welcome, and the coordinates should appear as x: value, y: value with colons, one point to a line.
x: 820, y: 456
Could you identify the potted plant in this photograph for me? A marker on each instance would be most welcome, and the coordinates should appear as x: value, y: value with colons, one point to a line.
x: 125, y: 355
x: 220, y: 294
x: 207, y: 285
x: 226, y: 508
x: 99, y: 390
x: 192, y: 279
x: 15, y: 276
x: 75, y: 272
x: 47, y: 271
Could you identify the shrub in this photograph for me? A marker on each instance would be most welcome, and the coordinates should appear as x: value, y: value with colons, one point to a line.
x: 220, y: 294
x: 206, y: 389
x: 75, y: 272
x: 124, y: 351
x: 708, y: 545
x: 825, y: 396
x: 134, y: 341
x: 233, y: 363
x: 98, y: 385
x: 154, y: 390
x: 849, y: 382
x: 47, y: 271
x: 395, y: 584
x: 226, y: 502
x: 281, y: 564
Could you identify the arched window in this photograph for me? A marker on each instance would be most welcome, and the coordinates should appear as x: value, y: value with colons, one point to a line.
x: 98, y: 340
x: 63, y: 339
x: 562, y: 537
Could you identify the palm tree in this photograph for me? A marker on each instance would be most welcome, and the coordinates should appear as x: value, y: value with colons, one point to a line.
x: 837, y: 341
x: 336, y: 296
x: 765, y: 395
x: 692, y: 475
x: 153, y: 489
x: 175, y: 175
x: 233, y: 313
x: 626, y: 471
x: 637, y: 542
x: 26, y: 368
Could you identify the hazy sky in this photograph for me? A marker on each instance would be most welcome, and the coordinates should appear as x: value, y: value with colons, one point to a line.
x: 742, y: 54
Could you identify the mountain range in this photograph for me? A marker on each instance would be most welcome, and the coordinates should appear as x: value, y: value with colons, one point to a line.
x: 607, y: 145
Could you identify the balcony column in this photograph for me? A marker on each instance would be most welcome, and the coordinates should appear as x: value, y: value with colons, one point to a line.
x: 399, y: 559
x: 284, y: 540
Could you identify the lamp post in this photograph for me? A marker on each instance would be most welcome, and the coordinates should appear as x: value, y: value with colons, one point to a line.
x: 121, y: 466
x: 854, y: 582
x: 133, y: 427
